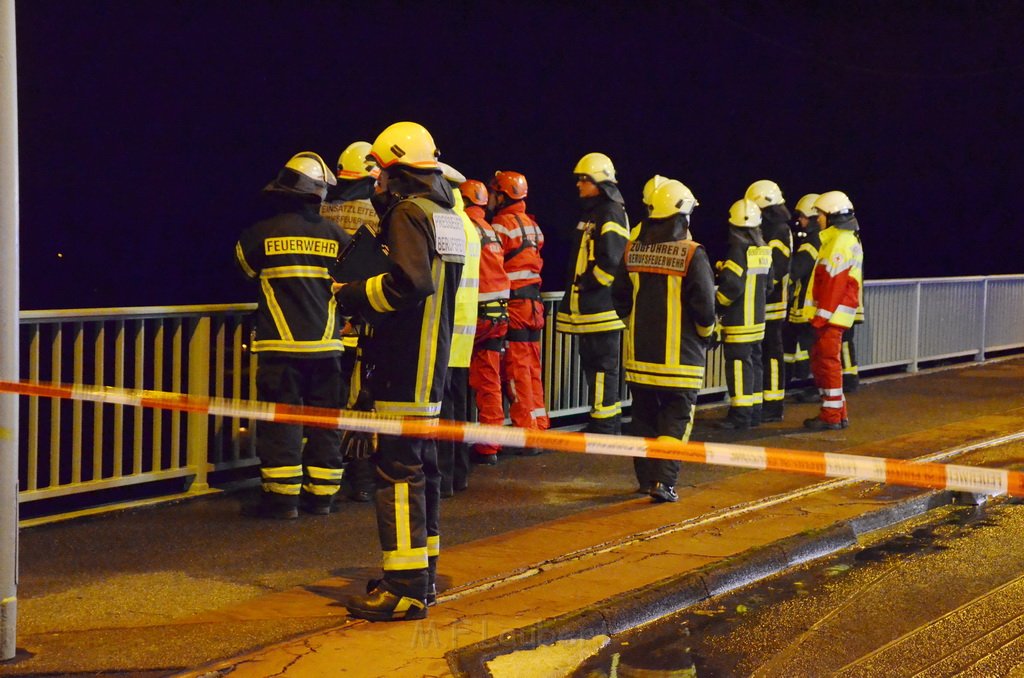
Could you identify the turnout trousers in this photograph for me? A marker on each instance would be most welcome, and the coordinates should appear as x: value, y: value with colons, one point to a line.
x: 287, y: 467
x: 743, y: 377
x: 522, y: 364
x: 797, y: 339
x: 851, y: 375
x: 661, y: 414
x: 774, y: 369
x: 485, y: 376
x: 453, y: 456
x: 599, y: 356
x: 828, y: 373
x: 407, y: 499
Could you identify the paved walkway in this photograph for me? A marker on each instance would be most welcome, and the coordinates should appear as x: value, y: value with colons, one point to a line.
x: 557, y: 537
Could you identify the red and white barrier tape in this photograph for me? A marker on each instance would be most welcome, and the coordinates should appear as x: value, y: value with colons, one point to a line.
x: 824, y: 464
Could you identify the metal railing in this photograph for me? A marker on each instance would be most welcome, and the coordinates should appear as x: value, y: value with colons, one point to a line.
x: 75, y: 447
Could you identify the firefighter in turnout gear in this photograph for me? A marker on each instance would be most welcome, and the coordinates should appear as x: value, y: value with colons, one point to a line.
x: 348, y: 205
x: 491, y: 323
x: 833, y: 297
x: 586, y: 309
x: 522, y: 241
x: 414, y: 298
x: 665, y: 293
x: 348, y: 202
x: 296, y: 337
x: 453, y: 456
x: 777, y: 234
x: 743, y: 285
x: 798, y: 335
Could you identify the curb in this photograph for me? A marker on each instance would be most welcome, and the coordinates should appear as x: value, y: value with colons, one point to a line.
x: 635, y: 608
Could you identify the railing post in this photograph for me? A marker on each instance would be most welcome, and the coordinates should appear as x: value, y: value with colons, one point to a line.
x: 197, y: 425
x: 9, y: 314
x: 983, y: 325
x: 915, y: 332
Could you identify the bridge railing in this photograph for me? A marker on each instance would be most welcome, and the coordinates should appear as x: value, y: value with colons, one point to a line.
x: 71, y: 448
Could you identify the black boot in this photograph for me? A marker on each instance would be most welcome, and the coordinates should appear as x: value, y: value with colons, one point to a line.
x: 381, y: 604
x: 663, y: 492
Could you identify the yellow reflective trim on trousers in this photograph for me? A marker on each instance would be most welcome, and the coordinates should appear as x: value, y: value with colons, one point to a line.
x: 689, y: 427
x: 737, y: 380
x: 427, y: 360
x: 607, y: 413
x: 375, y: 294
x: 759, y: 398
x: 403, y: 535
x: 275, y: 311
x: 598, y: 390
x: 433, y: 545
x: 673, y: 319
x: 321, y: 473
x: 748, y: 298
x: 322, y: 490
x: 240, y: 256
x: 281, y: 471
x: 405, y: 559
x: 773, y: 376
x: 289, y: 489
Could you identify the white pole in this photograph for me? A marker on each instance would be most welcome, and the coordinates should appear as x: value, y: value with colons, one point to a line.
x: 8, y: 331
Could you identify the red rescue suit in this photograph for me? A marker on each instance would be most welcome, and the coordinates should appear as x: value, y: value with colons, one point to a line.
x: 491, y: 327
x: 833, y: 299
x: 522, y: 240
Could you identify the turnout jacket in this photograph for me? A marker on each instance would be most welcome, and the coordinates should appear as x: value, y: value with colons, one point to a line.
x: 290, y: 254
x: 777, y: 234
x: 800, y: 270
x: 834, y: 292
x: 522, y: 241
x: 412, y: 303
x: 743, y: 286
x: 665, y: 292
x: 598, y: 246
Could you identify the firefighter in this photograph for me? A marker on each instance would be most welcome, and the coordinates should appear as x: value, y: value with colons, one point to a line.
x: 775, y: 229
x: 798, y: 333
x: 453, y: 456
x: 348, y: 202
x: 586, y: 308
x: 296, y: 338
x: 665, y: 293
x: 851, y: 372
x: 833, y: 295
x: 743, y: 285
x: 491, y: 323
x: 522, y: 241
x: 415, y: 298
x: 348, y: 205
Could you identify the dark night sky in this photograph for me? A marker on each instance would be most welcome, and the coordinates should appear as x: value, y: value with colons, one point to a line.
x: 148, y: 128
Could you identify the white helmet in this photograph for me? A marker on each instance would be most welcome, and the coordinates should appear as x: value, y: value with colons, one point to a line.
x: 805, y: 205
x: 672, y: 197
x: 652, y: 184
x: 764, y: 192
x: 833, y: 202
x: 313, y: 166
x: 745, y: 213
x: 305, y: 176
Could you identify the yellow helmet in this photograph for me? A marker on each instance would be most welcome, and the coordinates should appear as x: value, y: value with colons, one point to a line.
x: 833, y: 202
x: 311, y: 165
x: 672, y: 197
x: 745, y: 213
x: 805, y: 205
x: 652, y: 184
x: 355, y: 162
x: 597, y: 166
x: 405, y: 143
x: 764, y: 192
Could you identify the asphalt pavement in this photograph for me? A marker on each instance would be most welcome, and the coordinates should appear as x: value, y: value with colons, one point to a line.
x: 537, y: 553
